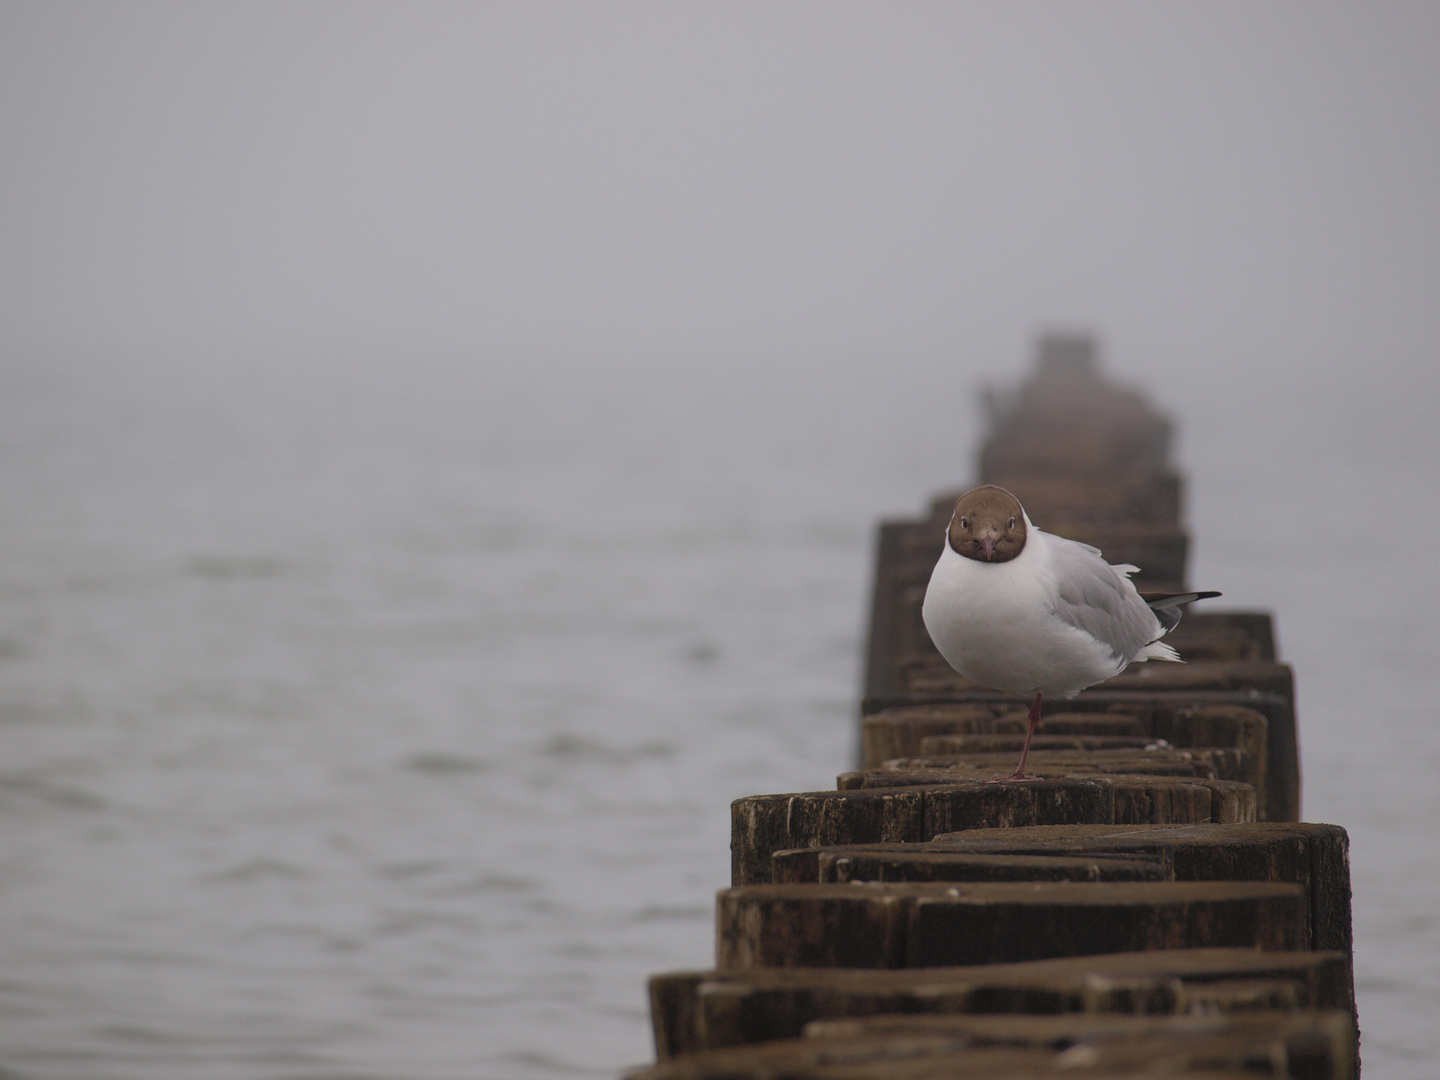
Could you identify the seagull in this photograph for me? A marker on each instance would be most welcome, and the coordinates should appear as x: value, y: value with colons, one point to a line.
x: 1027, y: 612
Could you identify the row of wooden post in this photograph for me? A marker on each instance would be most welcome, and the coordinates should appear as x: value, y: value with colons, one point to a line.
x: 1152, y: 904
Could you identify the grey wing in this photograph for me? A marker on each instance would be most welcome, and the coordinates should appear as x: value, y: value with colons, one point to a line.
x: 1094, y: 596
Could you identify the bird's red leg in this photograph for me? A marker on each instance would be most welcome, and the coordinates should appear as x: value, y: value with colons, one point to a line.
x: 1019, y: 773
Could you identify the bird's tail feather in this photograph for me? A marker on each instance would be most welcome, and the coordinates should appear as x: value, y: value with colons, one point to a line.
x: 1158, y: 650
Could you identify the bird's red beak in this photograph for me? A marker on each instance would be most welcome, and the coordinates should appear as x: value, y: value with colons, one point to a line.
x: 989, y: 543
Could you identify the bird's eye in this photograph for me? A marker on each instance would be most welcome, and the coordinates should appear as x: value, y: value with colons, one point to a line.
x: 1012, y: 523
x: 964, y: 524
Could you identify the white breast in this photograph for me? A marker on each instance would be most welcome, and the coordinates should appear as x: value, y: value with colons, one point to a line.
x: 995, y: 623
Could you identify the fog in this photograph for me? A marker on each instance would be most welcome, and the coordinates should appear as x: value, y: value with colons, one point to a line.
x: 330, y: 334
x: 1224, y: 184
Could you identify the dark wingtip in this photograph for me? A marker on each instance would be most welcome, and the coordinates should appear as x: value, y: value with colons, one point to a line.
x: 1174, y: 599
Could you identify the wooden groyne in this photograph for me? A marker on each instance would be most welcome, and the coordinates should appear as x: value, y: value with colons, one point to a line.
x: 1152, y: 904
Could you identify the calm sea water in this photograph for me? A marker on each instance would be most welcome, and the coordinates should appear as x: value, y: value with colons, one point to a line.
x: 381, y: 721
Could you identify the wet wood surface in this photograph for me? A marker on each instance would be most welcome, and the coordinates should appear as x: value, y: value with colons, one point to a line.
x: 1149, y: 904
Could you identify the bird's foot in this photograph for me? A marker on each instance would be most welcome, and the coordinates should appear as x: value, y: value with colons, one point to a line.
x: 1016, y: 775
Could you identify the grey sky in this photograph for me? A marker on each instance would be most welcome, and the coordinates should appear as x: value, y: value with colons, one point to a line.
x: 843, y: 182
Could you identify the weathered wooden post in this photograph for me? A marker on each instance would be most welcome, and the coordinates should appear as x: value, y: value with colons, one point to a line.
x: 1150, y: 901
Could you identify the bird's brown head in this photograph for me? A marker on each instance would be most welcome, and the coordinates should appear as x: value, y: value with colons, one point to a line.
x: 988, y: 525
